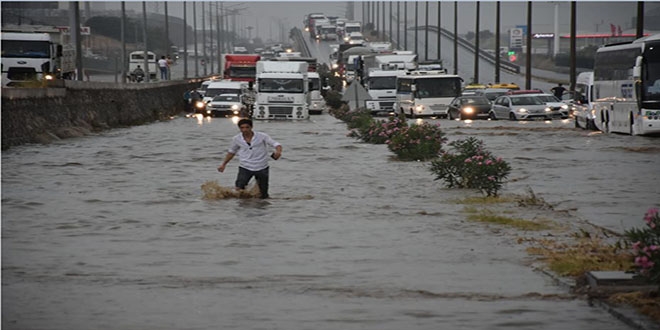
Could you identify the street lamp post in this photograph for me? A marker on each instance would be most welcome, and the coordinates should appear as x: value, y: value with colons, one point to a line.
x: 426, y: 31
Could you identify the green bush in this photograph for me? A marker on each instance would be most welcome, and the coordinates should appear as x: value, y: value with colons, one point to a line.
x: 333, y: 99
x: 417, y: 142
x: 471, y: 167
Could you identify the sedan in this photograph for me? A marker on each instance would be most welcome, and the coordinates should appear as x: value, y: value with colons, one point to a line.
x: 559, y: 108
x: 469, y: 107
x: 517, y: 107
x: 225, y: 105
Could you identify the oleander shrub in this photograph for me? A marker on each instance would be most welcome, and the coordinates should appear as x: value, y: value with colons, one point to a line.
x: 646, y: 246
x: 417, y: 142
x: 469, y: 165
x: 379, y: 131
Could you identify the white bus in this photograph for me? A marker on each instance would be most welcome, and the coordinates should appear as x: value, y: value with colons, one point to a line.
x: 426, y: 93
x: 627, y: 87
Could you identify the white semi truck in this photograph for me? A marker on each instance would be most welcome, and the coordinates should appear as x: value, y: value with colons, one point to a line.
x: 35, y: 56
x: 282, y: 90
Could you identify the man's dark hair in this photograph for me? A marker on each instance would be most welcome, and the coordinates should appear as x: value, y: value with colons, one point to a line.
x: 245, y: 121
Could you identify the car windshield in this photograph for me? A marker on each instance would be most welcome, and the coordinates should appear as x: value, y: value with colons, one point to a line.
x: 226, y: 98
x: 475, y: 100
x: 493, y: 95
x: 212, y: 92
x: 549, y: 98
x: 314, y: 84
x: 526, y: 100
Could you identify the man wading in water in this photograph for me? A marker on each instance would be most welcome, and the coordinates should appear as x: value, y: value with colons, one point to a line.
x: 252, y: 149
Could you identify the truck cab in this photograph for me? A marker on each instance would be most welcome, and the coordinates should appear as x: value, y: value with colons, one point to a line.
x: 381, y: 85
x: 240, y: 67
x: 282, y: 89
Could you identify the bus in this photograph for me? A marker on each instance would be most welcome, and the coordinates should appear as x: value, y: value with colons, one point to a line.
x: 627, y: 87
x: 426, y: 93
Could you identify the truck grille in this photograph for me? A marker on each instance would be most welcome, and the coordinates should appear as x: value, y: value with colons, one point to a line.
x: 439, y: 107
x: 386, y: 105
x: 280, y: 110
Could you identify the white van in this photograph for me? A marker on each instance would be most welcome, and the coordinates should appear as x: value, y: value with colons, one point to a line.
x: 137, y: 58
x: 583, y: 101
x: 223, y: 87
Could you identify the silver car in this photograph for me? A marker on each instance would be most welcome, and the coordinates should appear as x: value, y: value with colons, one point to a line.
x: 558, y: 107
x: 519, y: 107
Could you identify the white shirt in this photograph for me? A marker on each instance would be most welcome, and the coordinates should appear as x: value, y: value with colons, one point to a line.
x: 162, y: 63
x: 253, y: 156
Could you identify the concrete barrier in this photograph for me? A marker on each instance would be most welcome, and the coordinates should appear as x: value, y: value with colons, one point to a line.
x: 41, y: 115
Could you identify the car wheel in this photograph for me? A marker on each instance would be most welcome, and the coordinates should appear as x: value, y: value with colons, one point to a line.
x: 576, y: 123
x: 492, y: 116
x: 512, y: 116
x: 449, y: 115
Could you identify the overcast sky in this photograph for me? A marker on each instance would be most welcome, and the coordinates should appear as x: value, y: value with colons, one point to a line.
x: 265, y: 16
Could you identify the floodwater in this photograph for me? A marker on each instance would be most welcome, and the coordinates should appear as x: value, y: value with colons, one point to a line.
x: 111, y: 231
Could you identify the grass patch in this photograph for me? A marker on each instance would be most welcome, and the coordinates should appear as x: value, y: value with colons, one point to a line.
x: 488, y: 216
x: 587, y: 254
x: 647, y: 303
x: 481, y: 200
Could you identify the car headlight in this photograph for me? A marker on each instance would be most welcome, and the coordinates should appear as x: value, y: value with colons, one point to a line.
x: 548, y: 109
x: 468, y: 110
x: 345, y: 38
x: 299, y: 108
x: 523, y: 110
x: 335, y: 65
x: 49, y: 77
x: 565, y: 107
x: 200, y: 104
x: 234, y: 107
x: 419, y: 108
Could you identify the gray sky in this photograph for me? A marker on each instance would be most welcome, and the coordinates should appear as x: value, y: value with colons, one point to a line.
x: 265, y: 16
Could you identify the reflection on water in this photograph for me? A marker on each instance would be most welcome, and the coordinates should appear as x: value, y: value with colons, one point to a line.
x: 113, y: 231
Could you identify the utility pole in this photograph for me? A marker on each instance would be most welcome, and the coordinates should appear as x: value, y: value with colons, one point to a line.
x: 405, y: 25
x: 398, y: 26
x: 211, y: 59
x: 195, y: 38
x: 476, y: 46
x: 528, y: 56
x: 426, y: 31
x: 144, y: 37
x: 639, y: 32
x: 391, y: 41
x: 497, y: 42
x: 167, y: 41
x: 573, y: 53
x: 185, y: 41
x: 416, y: 26
x: 439, y: 56
x: 204, y: 40
x: 455, y: 37
x: 74, y: 28
x: 123, y: 42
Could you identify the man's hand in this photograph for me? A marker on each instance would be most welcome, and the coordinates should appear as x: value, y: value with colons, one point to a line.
x: 221, y: 168
x: 277, y: 155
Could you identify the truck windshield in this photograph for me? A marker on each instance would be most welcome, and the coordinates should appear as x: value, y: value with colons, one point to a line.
x: 651, y: 76
x: 382, y: 83
x: 243, y: 71
x: 350, y: 29
x: 281, y: 85
x: 438, y: 87
x: 29, y: 49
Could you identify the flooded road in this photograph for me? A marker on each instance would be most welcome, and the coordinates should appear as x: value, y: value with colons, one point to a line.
x: 111, y: 231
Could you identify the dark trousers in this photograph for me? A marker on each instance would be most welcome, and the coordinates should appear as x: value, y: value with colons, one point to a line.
x: 261, y: 176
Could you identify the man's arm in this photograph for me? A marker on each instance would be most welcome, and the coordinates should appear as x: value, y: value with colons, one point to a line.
x: 228, y: 157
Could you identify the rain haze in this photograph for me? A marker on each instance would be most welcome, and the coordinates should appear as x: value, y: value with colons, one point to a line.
x: 268, y: 18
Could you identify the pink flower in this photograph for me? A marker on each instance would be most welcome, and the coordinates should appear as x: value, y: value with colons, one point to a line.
x: 491, y: 178
x: 636, y: 245
x: 488, y: 162
x: 468, y: 160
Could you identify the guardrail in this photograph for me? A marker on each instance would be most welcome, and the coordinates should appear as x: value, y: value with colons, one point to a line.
x: 301, y: 45
x: 508, y: 66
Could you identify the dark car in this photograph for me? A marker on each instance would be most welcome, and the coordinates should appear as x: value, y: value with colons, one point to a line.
x: 469, y: 107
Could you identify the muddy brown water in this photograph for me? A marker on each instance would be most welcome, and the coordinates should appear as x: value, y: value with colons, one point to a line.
x: 111, y: 231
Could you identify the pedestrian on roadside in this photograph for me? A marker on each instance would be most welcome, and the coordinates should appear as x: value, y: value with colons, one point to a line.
x: 170, y: 62
x: 162, y: 64
x: 558, y: 90
x: 253, y: 149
